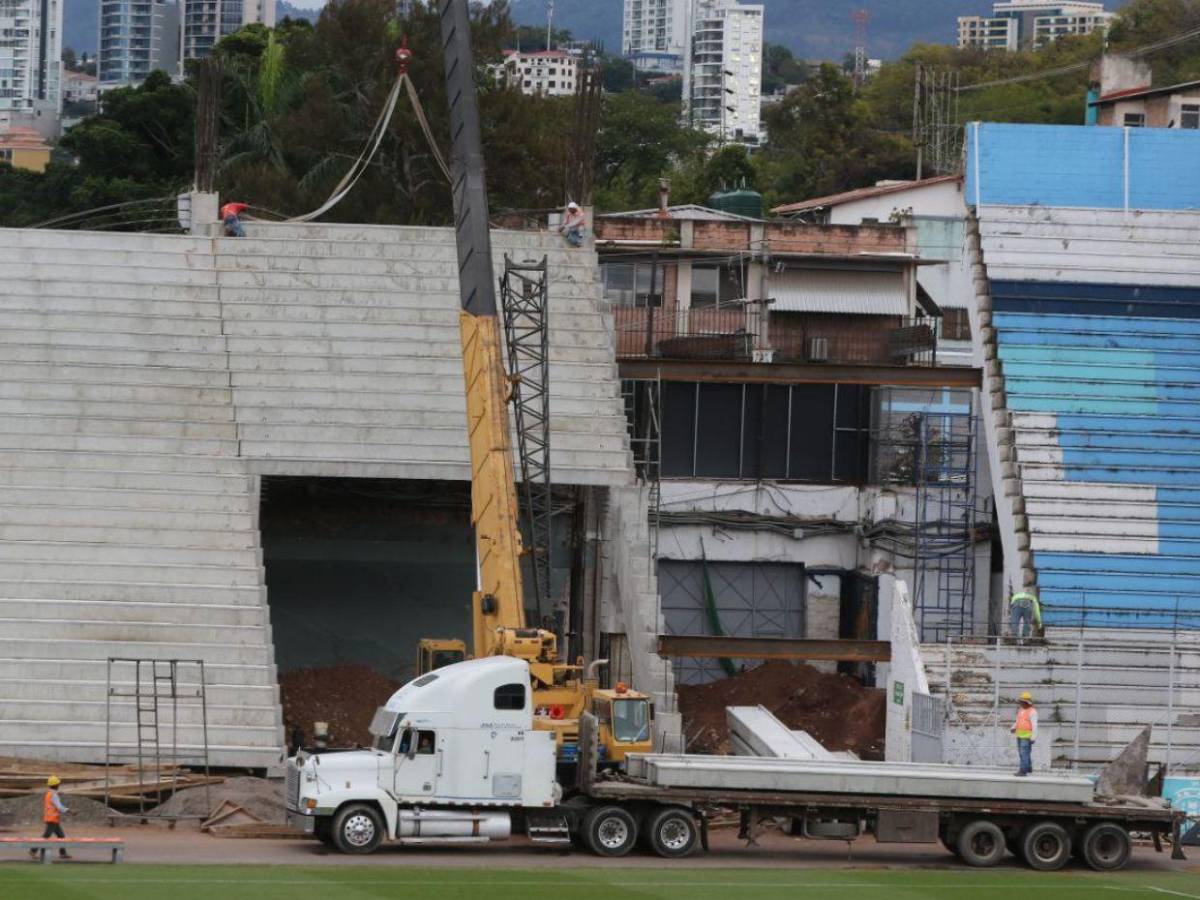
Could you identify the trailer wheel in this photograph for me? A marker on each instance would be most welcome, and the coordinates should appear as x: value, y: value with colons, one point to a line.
x: 609, y: 831
x: 358, y: 829
x: 1106, y: 846
x: 672, y: 832
x: 1046, y: 846
x: 980, y: 843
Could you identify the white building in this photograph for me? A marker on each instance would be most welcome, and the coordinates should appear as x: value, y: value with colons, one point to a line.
x: 30, y: 66
x: 136, y: 37
x: 552, y: 73
x: 207, y: 21
x: 722, y: 81
x: 79, y: 87
x: 654, y: 34
x: 1030, y: 24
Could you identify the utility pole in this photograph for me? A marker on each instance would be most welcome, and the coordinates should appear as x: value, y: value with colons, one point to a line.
x: 918, y: 136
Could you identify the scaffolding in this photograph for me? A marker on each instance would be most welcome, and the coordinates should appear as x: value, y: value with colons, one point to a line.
x: 161, y: 690
x: 927, y: 439
x: 523, y: 299
x: 643, y: 415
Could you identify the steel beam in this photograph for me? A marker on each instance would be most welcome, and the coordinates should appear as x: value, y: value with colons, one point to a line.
x: 773, y: 648
x: 798, y: 373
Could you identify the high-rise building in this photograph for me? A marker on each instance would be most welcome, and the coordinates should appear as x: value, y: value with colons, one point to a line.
x: 1030, y: 24
x: 136, y: 37
x: 722, y: 77
x: 30, y: 64
x: 207, y: 21
x: 654, y: 34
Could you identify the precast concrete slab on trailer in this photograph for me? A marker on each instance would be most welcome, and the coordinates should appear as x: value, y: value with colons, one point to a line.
x: 838, y: 777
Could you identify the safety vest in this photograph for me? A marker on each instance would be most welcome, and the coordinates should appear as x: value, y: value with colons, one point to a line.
x: 1032, y: 600
x: 1025, y: 722
x: 50, y: 814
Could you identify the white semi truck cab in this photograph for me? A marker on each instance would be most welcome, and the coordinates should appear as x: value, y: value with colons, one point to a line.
x: 455, y: 755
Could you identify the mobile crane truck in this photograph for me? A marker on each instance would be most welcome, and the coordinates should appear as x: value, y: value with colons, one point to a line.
x: 470, y: 752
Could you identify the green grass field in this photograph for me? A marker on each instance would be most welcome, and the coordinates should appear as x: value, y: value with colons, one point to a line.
x: 145, y: 882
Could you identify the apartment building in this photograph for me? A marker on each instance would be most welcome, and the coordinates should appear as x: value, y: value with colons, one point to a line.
x: 654, y: 34
x: 136, y: 38
x: 722, y: 81
x: 207, y: 21
x: 551, y: 73
x: 30, y: 66
x: 1030, y: 24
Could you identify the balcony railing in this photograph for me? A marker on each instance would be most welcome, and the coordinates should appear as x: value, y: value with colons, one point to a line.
x: 732, y: 333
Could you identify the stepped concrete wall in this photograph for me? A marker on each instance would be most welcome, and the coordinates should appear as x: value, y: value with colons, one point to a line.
x: 150, y: 381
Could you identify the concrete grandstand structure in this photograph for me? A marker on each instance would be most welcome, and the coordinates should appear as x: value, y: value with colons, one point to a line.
x: 152, y: 383
x: 1087, y: 325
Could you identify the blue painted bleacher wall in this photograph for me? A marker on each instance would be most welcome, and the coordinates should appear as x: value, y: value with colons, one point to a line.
x: 1091, y: 238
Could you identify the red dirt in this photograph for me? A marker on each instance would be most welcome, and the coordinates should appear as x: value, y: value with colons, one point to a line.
x: 835, y: 709
x: 344, y: 696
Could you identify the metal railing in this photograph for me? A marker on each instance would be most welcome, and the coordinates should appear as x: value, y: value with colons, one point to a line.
x: 704, y: 333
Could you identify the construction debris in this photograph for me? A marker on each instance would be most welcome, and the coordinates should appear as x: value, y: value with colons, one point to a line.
x: 257, y: 798
x: 26, y: 810
x: 125, y: 787
x: 344, y: 696
x: 835, y: 709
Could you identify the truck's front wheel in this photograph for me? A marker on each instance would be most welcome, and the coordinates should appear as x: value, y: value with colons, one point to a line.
x: 609, y: 831
x: 358, y: 829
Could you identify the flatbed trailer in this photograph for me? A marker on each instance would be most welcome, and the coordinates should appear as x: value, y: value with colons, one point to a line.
x: 1045, y: 834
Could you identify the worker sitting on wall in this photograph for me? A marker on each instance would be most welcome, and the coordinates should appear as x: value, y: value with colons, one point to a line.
x: 1025, y: 728
x: 1025, y: 614
x: 573, y: 225
x: 231, y: 219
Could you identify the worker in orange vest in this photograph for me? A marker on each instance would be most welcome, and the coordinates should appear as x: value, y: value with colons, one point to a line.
x: 52, y: 812
x: 1025, y: 728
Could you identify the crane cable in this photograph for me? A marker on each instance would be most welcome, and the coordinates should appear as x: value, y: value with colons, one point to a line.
x: 375, y: 138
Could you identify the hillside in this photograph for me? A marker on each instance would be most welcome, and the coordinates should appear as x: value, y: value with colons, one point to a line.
x: 812, y: 29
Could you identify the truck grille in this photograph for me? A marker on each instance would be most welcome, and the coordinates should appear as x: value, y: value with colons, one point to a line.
x: 293, y: 788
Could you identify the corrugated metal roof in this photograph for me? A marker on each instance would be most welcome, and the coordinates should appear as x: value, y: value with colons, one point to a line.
x: 688, y: 212
x: 877, y: 190
x: 834, y: 291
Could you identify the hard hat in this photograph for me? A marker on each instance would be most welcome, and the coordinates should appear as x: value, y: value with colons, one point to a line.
x: 53, y: 781
x: 1026, y: 697
x: 572, y: 205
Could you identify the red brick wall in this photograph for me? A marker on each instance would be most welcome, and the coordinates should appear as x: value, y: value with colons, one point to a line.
x: 836, y: 239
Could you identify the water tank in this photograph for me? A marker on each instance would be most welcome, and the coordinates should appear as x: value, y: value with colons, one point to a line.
x: 743, y: 202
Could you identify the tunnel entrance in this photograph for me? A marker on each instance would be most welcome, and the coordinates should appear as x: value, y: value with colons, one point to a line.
x: 358, y: 571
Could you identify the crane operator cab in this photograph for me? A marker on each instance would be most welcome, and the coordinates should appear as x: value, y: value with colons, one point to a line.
x: 434, y: 653
x: 624, y: 717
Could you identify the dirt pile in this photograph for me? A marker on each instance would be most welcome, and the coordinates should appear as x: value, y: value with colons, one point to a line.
x: 344, y: 696
x: 18, y: 812
x: 835, y: 709
x: 258, y: 796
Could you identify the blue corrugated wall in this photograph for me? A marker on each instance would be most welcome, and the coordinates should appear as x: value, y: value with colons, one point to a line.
x: 1102, y: 380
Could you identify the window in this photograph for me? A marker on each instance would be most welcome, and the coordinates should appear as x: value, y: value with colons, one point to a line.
x: 424, y: 742
x: 509, y: 696
x: 632, y: 284
x: 425, y: 679
x: 1135, y: 120
x: 1189, y: 116
x: 714, y: 284
x: 631, y: 720
x: 802, y: 432
x: 956, y: 325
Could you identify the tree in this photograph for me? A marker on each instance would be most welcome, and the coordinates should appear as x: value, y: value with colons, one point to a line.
x: 617, y: 74
x: 68, y: 59
x: 824, y: 139
x: 640, y: 141
x: 780, y: 69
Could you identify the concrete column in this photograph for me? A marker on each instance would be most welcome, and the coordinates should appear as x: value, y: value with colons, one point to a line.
x: 199, y: 212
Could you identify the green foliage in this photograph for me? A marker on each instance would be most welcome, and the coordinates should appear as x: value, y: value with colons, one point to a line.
x: 640, y: 141
x: 780, y: 69
x: 616, y: 74
x: 1144, y: 21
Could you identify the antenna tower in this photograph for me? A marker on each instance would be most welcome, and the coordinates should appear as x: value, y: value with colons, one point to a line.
x: 860, y: 17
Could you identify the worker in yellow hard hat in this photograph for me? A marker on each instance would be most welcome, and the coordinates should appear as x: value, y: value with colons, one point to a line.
x: 53, y: 810
x: 1025, y: 728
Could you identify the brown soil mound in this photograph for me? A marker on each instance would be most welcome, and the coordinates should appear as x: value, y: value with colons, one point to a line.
x: 835, y: 709
x: 257, y: 796
x: 344, y: 696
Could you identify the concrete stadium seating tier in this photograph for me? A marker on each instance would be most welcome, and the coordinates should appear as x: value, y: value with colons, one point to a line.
x: 149, y: 381
x: 1094, y: 320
